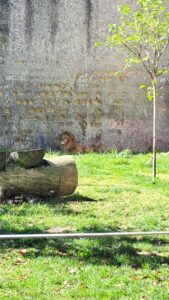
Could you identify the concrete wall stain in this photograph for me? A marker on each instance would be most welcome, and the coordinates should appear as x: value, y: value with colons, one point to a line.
x: 54, y: 19
x: 88, y: 21
x: 29, y: 17
x: 4, y: 17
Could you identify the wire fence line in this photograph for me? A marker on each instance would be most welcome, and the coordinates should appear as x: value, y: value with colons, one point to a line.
x: 81, y: 235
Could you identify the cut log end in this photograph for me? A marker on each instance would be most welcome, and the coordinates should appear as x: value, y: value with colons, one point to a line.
x: 55, y: 177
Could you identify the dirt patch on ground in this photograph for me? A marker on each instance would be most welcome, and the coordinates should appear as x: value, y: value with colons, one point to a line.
x: 59, y: 229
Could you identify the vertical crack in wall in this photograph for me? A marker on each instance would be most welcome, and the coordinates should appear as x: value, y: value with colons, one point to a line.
x: 54, y: 19
x: 29, y: 16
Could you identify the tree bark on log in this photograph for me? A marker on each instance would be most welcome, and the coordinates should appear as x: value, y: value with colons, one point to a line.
x: 55, y: 177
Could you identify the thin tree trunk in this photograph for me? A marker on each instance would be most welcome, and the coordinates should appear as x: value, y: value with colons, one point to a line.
x: 154, y: 132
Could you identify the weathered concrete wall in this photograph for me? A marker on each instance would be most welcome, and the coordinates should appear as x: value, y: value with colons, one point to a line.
x: 52, y: 79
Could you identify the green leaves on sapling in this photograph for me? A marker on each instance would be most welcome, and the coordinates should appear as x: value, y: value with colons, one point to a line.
x: 112, y: 28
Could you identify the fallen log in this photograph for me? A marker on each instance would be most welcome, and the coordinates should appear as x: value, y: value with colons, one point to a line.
x: 54, y: 177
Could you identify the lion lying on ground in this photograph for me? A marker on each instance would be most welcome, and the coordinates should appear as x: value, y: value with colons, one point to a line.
x: 67, y: 142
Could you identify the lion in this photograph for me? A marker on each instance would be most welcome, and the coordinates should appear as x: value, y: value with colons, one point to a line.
x: 67, y: 142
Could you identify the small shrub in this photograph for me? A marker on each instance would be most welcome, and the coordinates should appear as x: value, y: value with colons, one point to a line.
x: 127, y: 153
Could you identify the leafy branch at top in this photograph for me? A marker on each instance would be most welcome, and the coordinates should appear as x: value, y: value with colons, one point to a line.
x: 144, y: 34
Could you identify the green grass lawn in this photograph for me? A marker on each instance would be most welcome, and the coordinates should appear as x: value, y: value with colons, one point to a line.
x: 115, y: 193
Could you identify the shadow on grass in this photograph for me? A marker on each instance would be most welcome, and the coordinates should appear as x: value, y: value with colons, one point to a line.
x: 74, y: 198
x: 48, y: 200
x: 58, y: 205
x: 119, y: 251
